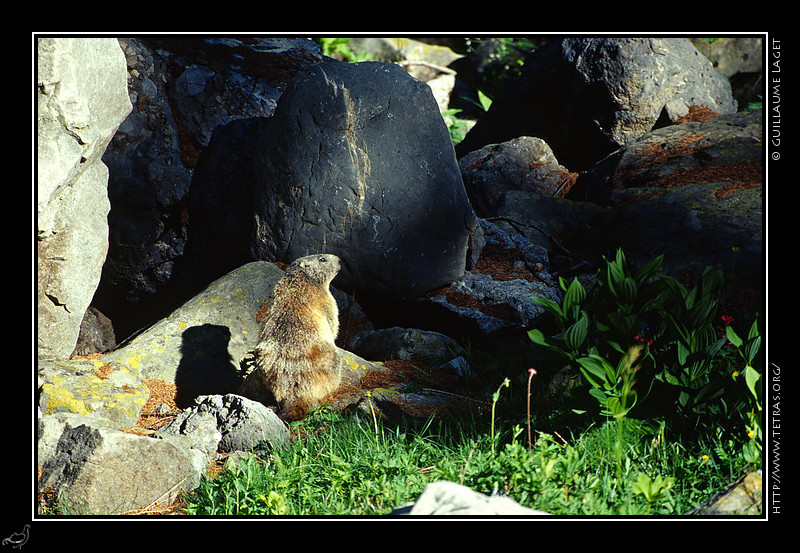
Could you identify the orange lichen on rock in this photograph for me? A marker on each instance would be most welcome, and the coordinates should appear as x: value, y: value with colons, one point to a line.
x: 161, y: 392
x: 697, y: 114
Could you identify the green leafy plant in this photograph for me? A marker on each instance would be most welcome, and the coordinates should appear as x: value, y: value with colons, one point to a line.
x: 753, y: 379
x: 612, y: 386
x: 692, y: 337
x: 654, y: 490
x: 625, y: 298
x: 570, y: 317
x: 603, y: 337
x: 504, y: 60
x: 455, y: 126
x: 672, y: 327
x: 340, y: 48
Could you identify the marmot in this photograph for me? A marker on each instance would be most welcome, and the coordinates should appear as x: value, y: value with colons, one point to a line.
x: 296, y: 360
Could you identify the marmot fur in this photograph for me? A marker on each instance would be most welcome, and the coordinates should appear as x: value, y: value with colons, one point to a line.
x: 297, y: 362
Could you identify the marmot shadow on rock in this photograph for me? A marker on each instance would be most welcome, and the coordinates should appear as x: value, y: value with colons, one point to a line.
x: 297, y: 362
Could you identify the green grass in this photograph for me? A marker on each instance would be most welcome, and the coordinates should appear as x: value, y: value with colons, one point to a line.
x: 345, y: 467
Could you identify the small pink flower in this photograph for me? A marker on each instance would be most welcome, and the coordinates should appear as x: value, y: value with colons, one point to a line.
x: 531, y: 372
x: 727, y: 319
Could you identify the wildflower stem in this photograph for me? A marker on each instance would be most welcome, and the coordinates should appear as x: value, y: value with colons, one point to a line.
x: 495, y: 398
x: 531, y: 372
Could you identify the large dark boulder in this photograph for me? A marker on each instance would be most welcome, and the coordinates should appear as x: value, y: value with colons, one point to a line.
x: 586, y: 97
x: 179, y: 165
x: 357, y: 161
x: 693, y: 192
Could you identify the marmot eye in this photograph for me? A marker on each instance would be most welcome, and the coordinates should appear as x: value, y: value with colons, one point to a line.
x: 322, y: 259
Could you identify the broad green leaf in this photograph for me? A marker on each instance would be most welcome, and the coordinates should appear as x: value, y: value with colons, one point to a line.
x: 689, y: 299
x: 537, y: 337
x: 575, y: 335
x: 751, y: 348
x: 714, y: 348
x: 593, y: 370
x: 627, y: 291
x: 752, y: 377
x: 732, y: 337
x: 649, y: 269
x: 573, y: 296
x: 551, y: 306
x: 753, y: 330
x: 485, y: 101
x: 683, y: 353
x: 601, y: 398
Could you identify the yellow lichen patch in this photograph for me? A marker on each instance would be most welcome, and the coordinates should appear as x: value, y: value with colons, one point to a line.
x: 139, y: 397
x: 352, y: 364
x: 60, y: 398
x: 133, y: 360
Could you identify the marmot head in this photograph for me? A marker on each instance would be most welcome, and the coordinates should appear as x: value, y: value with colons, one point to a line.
x: 319, y: 268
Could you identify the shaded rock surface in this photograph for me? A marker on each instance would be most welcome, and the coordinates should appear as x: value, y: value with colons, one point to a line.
x: 182, y: 160
x: 586, y: 97
x: 524, y: 163
x: 706, y: 148
x: 496, y: 295
x: 357, y: 160
x: 692, y: 192
x: 96, y: 333
x: 405, y: 343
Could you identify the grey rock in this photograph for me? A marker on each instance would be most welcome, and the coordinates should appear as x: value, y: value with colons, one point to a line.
x: 197, y: 347
x: 50, y: 427
x: 404, y: 343
x: 505, y: 304
x: 357, y: 161
x: 546, y: 222
x: 692, y: 192
x: 73, y: 386
x: 586, y: 97
x: 81, y: 100
x: 491, y: 304
x: 96, y: 333
x: 100, y: 471
x: 445, y: 498
x: 533, y: 256
x: 674, y: 155
x: 229, y: 423
x: 743, y: 497
x: 524, y: 163
x: 199, y: 426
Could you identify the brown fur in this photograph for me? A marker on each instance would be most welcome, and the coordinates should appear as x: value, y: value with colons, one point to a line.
x: 297, y: 362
